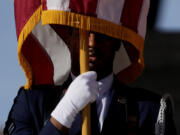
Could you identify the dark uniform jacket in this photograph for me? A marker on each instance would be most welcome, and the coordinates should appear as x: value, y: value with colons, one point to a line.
x: 132, y: 111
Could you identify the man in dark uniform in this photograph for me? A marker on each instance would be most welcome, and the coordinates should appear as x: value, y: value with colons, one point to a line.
x: 118, y: 110
x: 46, y: 108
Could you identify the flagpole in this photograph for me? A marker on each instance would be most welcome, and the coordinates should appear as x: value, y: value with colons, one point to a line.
x: 84, y: 67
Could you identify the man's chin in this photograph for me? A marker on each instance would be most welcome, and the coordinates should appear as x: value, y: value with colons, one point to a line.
x: 95, y: 68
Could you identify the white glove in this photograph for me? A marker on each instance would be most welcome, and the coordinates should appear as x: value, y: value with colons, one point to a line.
x: 83, y: 90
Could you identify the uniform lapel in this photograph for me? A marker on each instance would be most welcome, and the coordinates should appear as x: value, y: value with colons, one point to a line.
x: 116, y: 120
x: 122, y: 115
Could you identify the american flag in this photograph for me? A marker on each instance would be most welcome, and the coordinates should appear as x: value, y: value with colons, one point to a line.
x: 43, y: 52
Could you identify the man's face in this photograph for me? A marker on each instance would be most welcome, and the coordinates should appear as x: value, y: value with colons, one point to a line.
x: 101, y: 53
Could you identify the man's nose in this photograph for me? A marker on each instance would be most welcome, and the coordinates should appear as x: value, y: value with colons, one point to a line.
x: 91, y: 40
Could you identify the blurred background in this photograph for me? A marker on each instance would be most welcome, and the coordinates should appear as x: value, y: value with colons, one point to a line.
x: 162, y: 55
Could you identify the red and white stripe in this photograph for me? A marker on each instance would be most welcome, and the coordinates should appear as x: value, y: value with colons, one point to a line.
x: 57, y: 5
x: 130, y: 13
x: 110, y: 10
x: 142, y: 22
x: 57, y: 51
x: 48, y: 54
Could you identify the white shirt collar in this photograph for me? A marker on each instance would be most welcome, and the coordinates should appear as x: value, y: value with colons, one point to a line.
x: 105, y: 85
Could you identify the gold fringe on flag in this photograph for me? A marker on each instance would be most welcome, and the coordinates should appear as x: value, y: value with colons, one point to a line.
x: 29, y: 26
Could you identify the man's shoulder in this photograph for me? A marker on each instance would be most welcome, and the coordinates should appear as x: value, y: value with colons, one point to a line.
x: 37, y: 99
x: 38, y: 92
x: 136, y: 93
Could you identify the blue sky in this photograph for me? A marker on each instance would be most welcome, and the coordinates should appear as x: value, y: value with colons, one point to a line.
x: 168, y: 16
x: 11, y: 75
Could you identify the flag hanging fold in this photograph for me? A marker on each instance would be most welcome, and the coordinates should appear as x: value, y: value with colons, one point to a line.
x: 41, y: 32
